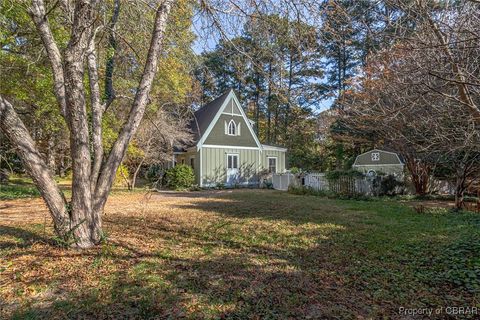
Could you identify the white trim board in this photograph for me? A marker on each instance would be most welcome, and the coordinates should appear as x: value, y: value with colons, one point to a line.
x: 228, y: 147
x: 200, y: 169
x: 267, y: 147
x: 232, y: 114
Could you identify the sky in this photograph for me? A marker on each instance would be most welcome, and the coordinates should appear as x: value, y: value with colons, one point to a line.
x: 208, y: 37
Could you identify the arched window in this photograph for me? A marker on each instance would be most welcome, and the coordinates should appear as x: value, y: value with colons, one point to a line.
x: 232, y: 128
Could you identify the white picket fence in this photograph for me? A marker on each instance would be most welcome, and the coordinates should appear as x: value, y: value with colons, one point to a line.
x: 318, y: 181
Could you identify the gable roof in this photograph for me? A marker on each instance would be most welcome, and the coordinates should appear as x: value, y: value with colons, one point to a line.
x: 205, y: 115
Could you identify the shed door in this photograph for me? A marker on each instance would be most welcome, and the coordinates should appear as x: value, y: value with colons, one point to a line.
x: 232, y: 169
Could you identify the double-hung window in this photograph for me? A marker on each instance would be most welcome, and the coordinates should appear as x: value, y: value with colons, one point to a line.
x: 272, y: 165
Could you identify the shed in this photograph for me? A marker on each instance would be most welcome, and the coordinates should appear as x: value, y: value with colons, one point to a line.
x: 378, y: 161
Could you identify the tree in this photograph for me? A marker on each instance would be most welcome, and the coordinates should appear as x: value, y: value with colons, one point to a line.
x: 75, y: 35
x: 433, y: 134
x: 92, y: 180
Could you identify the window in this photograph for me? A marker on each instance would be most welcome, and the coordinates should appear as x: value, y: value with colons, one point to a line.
x: 183, y: 161
x: 272, y: 165
x: 232, y: 129
x: 232, y: 161
x: 192, y: 163
x: 375, y: 156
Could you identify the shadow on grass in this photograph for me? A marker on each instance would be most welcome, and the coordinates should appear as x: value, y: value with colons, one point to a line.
x: 24, y: 238
x: 264, y: 256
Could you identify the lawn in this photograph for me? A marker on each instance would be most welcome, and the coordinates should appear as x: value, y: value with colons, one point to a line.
x: 240, y: 254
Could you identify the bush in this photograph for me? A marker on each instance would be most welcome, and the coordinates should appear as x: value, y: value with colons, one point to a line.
x: 295, y: 170
x: 154, y: 172
x: 180, y: 177
x: 337, y: 174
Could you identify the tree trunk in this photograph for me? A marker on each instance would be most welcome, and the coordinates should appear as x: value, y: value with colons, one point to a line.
x: 269, y: 102
x: 460, y: 187
x: 17, y: 133
x: 420, y: 174
x: 135, y: 173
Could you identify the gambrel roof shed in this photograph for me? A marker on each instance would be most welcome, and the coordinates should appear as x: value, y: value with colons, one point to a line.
x: 378, y: 157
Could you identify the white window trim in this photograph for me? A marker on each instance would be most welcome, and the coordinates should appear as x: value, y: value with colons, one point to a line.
x: 232, y: 122
x: 375, y: 156
x: 276, y: 164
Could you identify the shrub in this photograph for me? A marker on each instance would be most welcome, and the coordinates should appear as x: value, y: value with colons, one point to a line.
x: 295, y: 170
x: 179, y: 177
x: 337, y: 174
x: 154, y: 172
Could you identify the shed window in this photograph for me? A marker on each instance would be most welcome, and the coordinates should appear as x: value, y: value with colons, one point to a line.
x: 272, y: 165
x: 375, y: 156
x: 192, y: 163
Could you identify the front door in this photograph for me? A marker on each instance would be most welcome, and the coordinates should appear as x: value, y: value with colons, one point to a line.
x: 232, y: 169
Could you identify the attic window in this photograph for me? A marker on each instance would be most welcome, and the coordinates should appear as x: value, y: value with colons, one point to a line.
x: 232, y: 129
x: 375, y: 156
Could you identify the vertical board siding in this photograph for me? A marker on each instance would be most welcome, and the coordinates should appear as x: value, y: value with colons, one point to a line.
x: 214, y: 167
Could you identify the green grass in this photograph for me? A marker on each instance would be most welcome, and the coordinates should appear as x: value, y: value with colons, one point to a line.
x: 20, y: 187
x: 8, y: 192
x: 251, y: 254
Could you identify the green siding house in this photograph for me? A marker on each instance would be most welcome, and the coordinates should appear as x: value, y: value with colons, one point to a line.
x: 379, y: 161
x: 226, y: 150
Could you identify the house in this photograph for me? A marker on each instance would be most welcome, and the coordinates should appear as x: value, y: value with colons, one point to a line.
x: 226, y: 149
x: 379, y: 161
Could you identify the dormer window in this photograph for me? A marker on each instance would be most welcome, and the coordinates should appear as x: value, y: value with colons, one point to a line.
x: 232, y: 129
x: 375, y: 156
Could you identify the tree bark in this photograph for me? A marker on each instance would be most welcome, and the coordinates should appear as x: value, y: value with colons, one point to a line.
x: 17, y: 133
x: 97, y: 114
x: 86, y: 233
x: 138, y: 108
x: 38, y: 14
